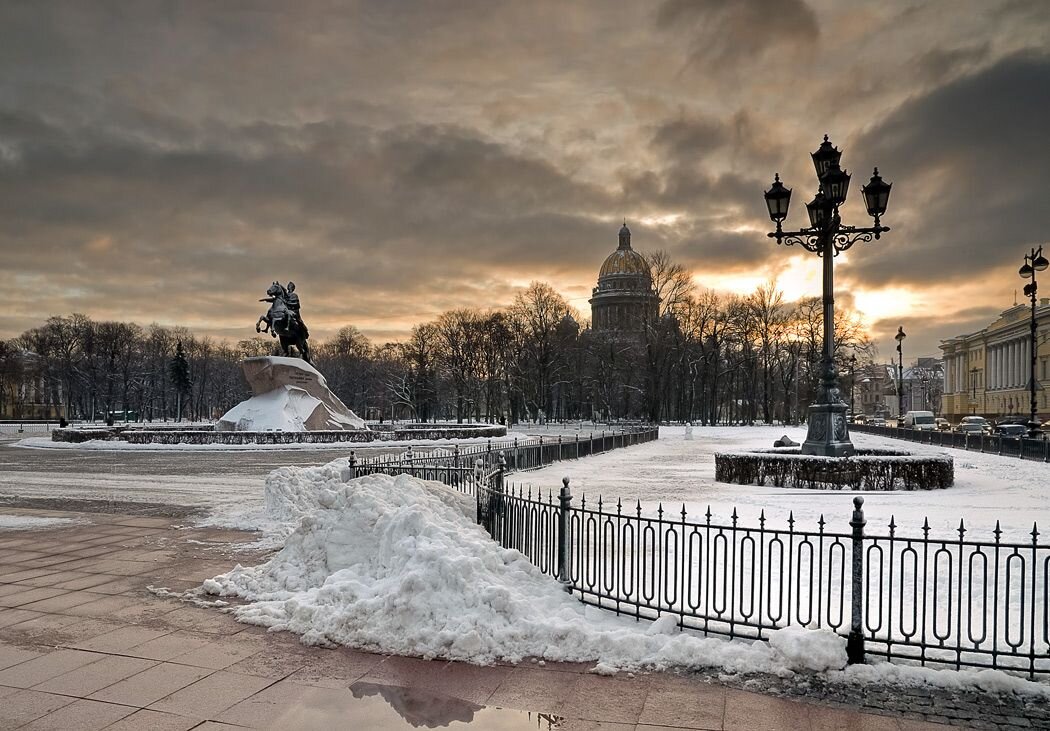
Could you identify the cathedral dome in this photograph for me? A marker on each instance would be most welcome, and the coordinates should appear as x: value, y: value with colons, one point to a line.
x: 624, y: 300
x: 624, y: 261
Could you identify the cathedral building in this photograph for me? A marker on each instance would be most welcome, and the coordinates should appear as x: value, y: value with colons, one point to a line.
x: 624, y: 301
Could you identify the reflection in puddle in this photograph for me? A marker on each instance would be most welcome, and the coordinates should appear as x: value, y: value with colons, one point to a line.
x: 377, y: 707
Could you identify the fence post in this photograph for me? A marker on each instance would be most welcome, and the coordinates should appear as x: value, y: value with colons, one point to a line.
x: 564, y: 545
x: 577, y: 446
x: 855, y: 641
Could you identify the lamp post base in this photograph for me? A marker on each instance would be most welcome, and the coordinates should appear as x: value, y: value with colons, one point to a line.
x: 827, y: 435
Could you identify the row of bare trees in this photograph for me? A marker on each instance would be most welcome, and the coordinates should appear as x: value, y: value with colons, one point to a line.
x: 708, y: 358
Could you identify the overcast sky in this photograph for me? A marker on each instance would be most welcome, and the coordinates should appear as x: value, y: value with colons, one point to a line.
x: 165, y: 161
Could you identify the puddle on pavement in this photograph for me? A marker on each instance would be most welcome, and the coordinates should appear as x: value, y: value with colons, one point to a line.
x: 392, y: 708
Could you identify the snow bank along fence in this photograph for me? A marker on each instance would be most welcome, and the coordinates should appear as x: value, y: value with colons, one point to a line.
x: 1022, y: 447
x: 960, y: 602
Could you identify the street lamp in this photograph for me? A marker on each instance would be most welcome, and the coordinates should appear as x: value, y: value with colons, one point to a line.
x: 973, y: 384
x: 899, y: 337
x: 1033, y: 262
x: 827, y: 433
x: 852, y: 380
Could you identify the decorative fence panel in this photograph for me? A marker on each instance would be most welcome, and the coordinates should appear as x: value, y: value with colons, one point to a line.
x: 946, y: 602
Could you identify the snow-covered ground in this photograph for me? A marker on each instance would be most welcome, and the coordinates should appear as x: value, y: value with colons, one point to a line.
x: 398, y: 565
x: 676, y: 471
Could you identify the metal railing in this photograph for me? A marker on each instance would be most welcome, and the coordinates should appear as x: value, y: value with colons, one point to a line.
x: 960, y: 602
x: 977, y: 603
x: 1021, y: 447
x: 510, y: 455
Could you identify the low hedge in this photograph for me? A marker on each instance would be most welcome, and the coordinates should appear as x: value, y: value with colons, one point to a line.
x: 866, y: 470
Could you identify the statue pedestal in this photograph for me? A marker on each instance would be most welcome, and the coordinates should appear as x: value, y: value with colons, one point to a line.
x: 290, y: 395
x: 827, y: 435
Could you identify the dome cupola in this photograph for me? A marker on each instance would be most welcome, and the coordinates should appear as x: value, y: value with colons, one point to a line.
x: 624, y: 299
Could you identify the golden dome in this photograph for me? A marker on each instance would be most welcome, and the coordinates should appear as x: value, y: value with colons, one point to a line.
x: 624, y: 261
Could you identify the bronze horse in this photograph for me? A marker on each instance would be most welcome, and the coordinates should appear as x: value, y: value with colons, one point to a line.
x: 281, y: 322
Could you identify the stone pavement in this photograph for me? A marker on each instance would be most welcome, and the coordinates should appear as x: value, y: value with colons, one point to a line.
x: 85, y: 645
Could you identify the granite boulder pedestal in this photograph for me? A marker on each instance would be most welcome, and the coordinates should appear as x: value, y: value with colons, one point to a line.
x: 290, y: 395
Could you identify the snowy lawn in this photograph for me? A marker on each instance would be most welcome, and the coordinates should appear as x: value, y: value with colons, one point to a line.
x: 676, y: 471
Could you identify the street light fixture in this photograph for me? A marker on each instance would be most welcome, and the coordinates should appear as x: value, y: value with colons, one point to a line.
x: 852, y: 380
x: 899, y: 337
x: 973, y: 385
x: 827, y: 434
x: 1033, y: 262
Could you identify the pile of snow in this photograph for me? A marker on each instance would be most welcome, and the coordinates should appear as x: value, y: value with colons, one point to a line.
x: 29, y: 522
x: 397, y: 565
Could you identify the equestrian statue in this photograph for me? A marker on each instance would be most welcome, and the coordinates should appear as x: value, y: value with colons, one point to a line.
x: 283, y: 321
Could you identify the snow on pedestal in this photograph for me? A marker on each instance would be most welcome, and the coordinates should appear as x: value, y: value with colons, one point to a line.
x: 290, y: 395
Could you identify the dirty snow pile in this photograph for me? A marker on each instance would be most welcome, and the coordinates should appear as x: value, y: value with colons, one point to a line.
x: 29, y: 522
x: 397, y: 565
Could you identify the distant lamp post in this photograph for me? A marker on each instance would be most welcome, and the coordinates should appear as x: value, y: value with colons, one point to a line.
x: 973, y: 385
x: 827, y: 237
x: 899, y: 337
x: 1033, y: 262
x: 852, y: 380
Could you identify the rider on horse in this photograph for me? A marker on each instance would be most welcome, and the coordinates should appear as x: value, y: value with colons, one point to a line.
x: 290, y: 301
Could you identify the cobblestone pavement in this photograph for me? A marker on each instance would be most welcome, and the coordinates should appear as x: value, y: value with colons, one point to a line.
x: 967, y: 709
x: 85, y: 645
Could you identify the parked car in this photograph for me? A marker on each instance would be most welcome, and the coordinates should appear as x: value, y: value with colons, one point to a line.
x: 921, y: 420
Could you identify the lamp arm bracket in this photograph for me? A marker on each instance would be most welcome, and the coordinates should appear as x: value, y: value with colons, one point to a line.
x: 847, y: 236
x: 807, y: 238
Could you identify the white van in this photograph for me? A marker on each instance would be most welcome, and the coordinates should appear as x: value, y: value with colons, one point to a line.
x: 921, y: 420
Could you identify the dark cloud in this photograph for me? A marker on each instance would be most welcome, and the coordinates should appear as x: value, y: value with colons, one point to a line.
x: 740, y: 32
x: 969, y: 176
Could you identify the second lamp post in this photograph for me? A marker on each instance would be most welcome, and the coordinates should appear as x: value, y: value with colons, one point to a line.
x: 1033, y: 262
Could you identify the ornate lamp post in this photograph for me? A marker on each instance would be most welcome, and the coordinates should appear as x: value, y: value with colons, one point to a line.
x: 1033, y: 262
x: 827, y: 237
x: 973, y: 384
x: 899, y: 337
x: 852, y: 380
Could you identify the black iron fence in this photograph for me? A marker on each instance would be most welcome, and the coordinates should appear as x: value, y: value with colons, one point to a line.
x: 971, y: 601
x: 1022, y: 447
x: 510, y: 455
x: 962, y: 602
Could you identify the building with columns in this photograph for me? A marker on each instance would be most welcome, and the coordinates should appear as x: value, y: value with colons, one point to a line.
x: 986, y: 372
